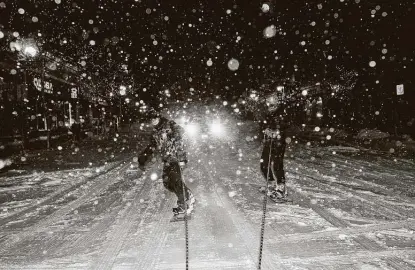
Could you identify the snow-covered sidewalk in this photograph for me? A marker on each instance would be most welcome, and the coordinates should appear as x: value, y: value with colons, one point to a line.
x: 373, y: 141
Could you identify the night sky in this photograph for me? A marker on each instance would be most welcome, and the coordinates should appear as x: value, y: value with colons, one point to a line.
x: 177, y: 45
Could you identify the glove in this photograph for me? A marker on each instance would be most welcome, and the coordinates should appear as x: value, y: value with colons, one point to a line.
x: 271, y: 133
x: 141, y: 163
x: 141, y: 167
x: 183, y: 164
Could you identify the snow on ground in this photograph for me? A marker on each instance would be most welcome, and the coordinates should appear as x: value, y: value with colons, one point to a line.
x: 350, y: 211
x: 34, y: 187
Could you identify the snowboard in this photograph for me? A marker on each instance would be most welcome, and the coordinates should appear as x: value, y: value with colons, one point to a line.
x: 181, y: 217
x: 276, y: 200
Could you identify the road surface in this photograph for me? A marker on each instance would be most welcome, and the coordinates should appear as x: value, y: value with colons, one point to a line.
x: 351, y: 210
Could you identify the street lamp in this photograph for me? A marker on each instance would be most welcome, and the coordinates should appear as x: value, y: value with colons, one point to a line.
x: 26, y: 50
x: 123, y: 92
x: 30, y: 51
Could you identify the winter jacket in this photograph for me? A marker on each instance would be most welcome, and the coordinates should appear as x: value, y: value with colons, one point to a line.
x: 275, y: 125
x: 167, y: 139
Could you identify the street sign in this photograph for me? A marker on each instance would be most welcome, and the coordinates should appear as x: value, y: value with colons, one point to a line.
x: 399, y: 90
x: 74, y: 93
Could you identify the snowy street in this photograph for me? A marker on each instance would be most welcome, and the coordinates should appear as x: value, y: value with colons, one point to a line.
x: 351, y: 210
x: 200, y: 135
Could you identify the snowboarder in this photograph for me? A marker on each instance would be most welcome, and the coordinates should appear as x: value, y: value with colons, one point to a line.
x: 167, y: 139
x: 272, y: 160
x: 76, y: 131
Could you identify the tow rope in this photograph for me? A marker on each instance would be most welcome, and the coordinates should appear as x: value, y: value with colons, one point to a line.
x: 186, y: 227
x: 264, y: 209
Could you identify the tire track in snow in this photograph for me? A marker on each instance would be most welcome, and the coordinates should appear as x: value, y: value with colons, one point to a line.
x: 366, y: 197
x: 128, y: 218
x: 212, y: 222
x: 351, y: 164
x: 101, y: 225
x: 152, y: 247
x: 377, y: 204
x: 368, y: 244
x: 320, y: 262
x: 96, y: 188
x: 245, y: 230
x: 362, y: 240
x: 349, y: 231
x: 56, y: 195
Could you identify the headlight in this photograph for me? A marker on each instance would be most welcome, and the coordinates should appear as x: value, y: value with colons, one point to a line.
x: 216, y: 128
x: 191, y: 129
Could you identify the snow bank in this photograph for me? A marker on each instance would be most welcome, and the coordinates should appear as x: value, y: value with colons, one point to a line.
x: 372, y: 134
x: 4, y: 163
x: 343, y: 149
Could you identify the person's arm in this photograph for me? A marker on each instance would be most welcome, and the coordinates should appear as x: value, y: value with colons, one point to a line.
x: 145, y: 156
x: 270, y: 127
x: 178, y: 132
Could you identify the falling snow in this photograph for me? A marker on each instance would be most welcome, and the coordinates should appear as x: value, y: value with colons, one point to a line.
x: 233, y: 64
x: 317, y: 95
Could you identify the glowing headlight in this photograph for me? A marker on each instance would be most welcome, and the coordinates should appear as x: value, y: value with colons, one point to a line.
x: 217, y: 128
x: 191, y: 129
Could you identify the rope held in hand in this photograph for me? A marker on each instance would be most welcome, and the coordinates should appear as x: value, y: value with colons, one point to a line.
x: 186, y: 227
x: 264, y: 209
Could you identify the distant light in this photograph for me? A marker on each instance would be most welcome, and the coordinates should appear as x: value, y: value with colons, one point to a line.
x: 123, y: 90
x: 217, y: 128
x: 270, y: 31
x: 233, y: 64
x: 191, y: 129
x: 153, y: 176
x: 265, y: 7
x: 30, y: 51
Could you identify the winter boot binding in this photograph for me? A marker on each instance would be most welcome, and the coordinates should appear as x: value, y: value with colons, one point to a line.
x: 279, y: 193
x: 179, y: 210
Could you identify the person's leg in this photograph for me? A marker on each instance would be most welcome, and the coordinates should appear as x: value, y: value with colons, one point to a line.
x: 264, y: 162
x: 266, y: 165
x: 175, y: 183
x: 278, y: 163
x: 167, y: 182
x: 278, y: 169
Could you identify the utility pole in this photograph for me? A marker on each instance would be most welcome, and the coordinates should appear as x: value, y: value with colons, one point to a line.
x: 45, y: 107
x: 23, y: 110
